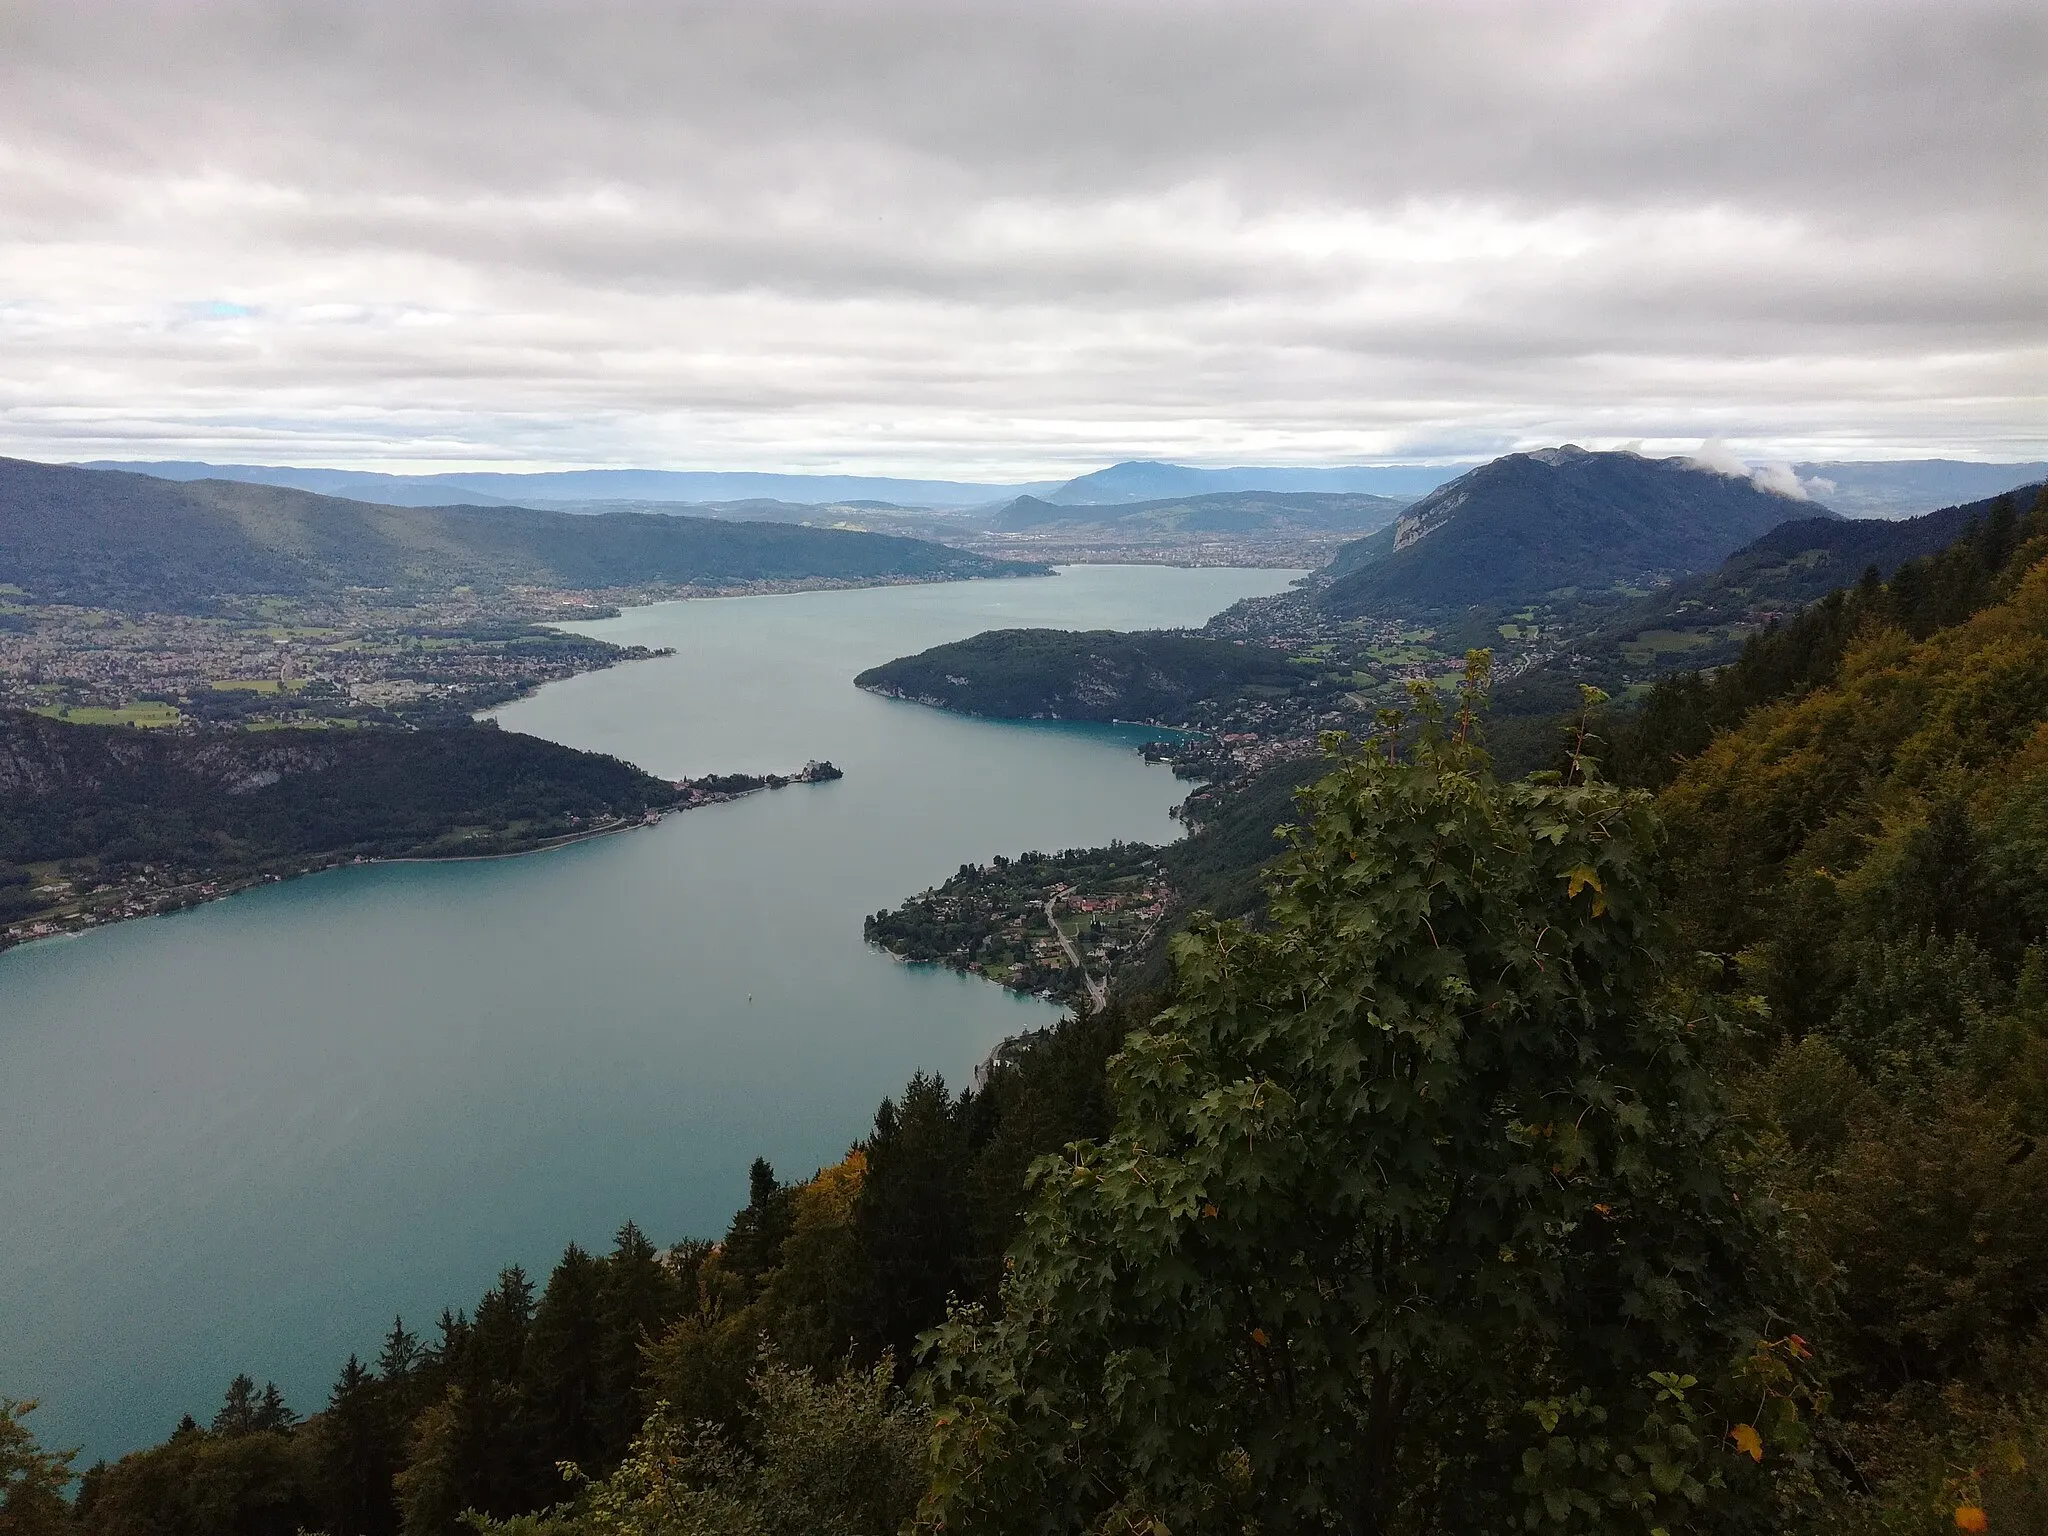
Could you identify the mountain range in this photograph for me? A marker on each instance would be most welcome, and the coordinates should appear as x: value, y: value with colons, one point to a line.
x: 1900, y: 488
x: 134, y: 542
x: 1135, y: 480
x: 586, y: 486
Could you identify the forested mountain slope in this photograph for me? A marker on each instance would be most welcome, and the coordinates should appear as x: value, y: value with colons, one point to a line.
x: 1533, y: 523
x: 1872, y: 852
x: 1791, y: 590
x: 1798, y: 562
x: 1057, y: 674
x: 98, y: 538
x: 1787, y: 657
x: 1848, y: 779
x: 103, y: 802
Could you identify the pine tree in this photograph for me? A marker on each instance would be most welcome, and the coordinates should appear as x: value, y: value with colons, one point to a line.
x: 271, y: 1412
x: 479, y: 1442
x: 361, y: 1449
x: 497, y: 1342
x: 565, y: 1359
x: 237, y: 1415
x: 755, y: 1238
x: 912, y: 1218
x: 401, y: 1355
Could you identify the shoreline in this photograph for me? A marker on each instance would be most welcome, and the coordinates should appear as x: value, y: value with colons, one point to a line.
x: 618, y: 603
x: 199, y: 893
x: 926, y: 701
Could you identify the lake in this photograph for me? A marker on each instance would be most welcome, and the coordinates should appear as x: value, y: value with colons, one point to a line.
x: 242, y: 1137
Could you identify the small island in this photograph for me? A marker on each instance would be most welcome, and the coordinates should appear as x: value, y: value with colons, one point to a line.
x: 717, y: 787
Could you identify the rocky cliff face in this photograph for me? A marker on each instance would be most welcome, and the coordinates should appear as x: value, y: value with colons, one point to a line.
x: 41, y: 757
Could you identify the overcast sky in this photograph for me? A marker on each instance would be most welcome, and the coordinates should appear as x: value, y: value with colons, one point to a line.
x: 1008, y: 240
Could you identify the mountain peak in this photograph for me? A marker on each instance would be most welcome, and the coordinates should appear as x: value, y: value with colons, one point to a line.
x: 1533, y: 523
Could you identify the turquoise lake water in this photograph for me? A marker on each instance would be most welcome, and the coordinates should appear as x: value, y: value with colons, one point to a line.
x: 242, y: 1137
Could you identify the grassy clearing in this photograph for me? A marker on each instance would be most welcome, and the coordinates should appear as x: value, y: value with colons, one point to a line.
x: 1654, y: 643
x: 144, y: 715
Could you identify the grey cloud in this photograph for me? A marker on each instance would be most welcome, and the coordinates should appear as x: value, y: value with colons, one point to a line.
x: 1060, y: 95
x: 1012, y: 232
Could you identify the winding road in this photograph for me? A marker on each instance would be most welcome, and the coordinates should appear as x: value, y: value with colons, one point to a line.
x: 1098, y: 992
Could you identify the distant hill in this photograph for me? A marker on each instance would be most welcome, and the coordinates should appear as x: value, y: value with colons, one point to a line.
x: 584, y: 486
x: 1531, y: 524
x: 1057, y: 674
x: 1242, y: 512
x: 1145, y: 480
x: 1909, y: 487
x: 106, y: 539
x: 1901, y: 488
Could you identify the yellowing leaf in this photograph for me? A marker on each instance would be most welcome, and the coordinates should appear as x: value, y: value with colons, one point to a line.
x: 1581, y: 878
x: 1748, y: 1441
x: 1971, y: 1518
x: 1259, y: 1337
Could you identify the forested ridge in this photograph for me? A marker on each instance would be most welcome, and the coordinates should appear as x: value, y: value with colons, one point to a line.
x: 85, y: 805
x: 1795, y: 587
x: 99, y: 538
x: 1100, y: 674
x: 1649, y: 1144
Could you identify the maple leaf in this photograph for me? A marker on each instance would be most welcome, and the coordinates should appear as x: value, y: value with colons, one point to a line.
x: 1969, y: 1517
x: 1748, y: 1441
x: 1579, y: 879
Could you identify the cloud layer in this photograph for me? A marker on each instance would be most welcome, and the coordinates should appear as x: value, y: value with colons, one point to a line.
x: 1009, y: 240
